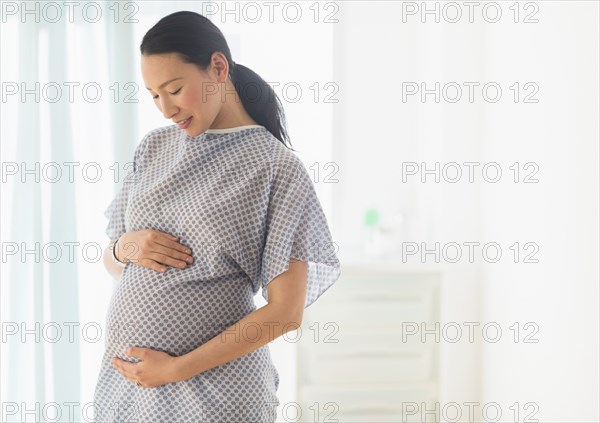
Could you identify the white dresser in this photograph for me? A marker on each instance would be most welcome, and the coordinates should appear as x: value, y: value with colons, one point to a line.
x: 353, y: 364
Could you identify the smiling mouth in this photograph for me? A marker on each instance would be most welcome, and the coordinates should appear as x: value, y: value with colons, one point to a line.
x: 184, y: 123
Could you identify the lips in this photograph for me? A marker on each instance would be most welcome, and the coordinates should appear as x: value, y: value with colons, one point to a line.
x: 184, y: 123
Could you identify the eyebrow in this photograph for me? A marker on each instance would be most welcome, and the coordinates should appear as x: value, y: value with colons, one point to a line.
x: 165, y: 83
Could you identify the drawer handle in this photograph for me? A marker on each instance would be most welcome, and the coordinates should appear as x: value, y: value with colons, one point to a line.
x: 372, y: 408
x: 381, y: 298
x: 374, y: 353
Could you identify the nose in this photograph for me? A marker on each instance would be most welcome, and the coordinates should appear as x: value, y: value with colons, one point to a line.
x: 167, y: 108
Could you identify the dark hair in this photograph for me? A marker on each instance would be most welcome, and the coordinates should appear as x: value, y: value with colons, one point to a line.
x: 195, y: 38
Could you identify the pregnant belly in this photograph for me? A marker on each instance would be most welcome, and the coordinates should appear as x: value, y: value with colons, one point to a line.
x: 172, y: 313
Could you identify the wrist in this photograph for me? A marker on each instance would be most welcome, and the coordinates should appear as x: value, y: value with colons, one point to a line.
x: 180, y: 368
x: 115, y: 256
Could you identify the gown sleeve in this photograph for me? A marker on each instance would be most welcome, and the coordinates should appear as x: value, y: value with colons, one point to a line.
x: 115, y: 212
x: 296, y: 228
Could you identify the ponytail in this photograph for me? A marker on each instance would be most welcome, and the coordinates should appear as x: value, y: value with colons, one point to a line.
x: 260, y: 101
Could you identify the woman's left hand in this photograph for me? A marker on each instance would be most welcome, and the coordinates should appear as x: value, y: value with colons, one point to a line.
x: 156, y: 368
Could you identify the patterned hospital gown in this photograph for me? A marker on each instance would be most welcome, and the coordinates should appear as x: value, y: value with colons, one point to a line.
x: 244, y: 204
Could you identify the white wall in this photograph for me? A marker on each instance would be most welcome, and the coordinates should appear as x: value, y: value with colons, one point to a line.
x: 560, y: 293
x: 374, y: 132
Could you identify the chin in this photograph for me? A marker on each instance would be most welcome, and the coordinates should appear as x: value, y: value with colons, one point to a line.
x: 192, y: 132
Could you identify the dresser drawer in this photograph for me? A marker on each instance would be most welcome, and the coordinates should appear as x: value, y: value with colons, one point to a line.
x: 377, y: 302
x: 372, y: 312
x: 367, y: 357
x: 355, y: 285
x: 354, y: 364
x: 368, y: 403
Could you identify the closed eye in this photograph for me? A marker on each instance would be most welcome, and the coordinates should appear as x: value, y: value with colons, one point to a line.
x: 176, y: 92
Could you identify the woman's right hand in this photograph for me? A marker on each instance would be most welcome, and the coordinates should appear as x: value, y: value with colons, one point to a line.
x: 154, y: 249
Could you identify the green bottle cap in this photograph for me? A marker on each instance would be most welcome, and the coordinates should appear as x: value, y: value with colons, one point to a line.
x: 371, y: 217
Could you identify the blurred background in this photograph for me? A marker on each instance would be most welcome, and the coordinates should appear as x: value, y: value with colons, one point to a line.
x: 453, y: 145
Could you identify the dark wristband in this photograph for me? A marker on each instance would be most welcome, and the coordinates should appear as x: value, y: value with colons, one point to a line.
x: 114, y: 252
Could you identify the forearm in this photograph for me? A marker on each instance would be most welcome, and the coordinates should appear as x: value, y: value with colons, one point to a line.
x: 252, y: 332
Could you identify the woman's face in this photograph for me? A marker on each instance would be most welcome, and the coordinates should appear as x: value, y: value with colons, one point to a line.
x: 183, y: 93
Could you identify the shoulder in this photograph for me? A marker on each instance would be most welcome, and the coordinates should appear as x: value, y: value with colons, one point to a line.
x: 157, y: 139
x: 167, y: 131
x: 263, y: 149
x: 164, y: 133
x: 279, y: 155
x: 286, y: 167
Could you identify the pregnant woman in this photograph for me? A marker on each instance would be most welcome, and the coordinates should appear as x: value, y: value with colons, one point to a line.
x: 215, y: 208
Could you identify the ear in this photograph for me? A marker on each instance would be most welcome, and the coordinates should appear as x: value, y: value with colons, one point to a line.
x: 219, y: 67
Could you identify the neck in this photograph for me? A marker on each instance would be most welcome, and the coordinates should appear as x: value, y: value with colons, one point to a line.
x: 232, y: 113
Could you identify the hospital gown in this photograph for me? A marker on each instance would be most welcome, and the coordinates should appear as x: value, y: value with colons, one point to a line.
x: 245, y: 205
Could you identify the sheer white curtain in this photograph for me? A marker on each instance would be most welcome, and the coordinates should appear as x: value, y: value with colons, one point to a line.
x: 61, y: 132
x: 74, y: 107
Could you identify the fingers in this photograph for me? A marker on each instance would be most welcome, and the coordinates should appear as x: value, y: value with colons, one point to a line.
x: 165, y: 250
x: 157, y: 248
x: 168, y: 260
x: 172, y: 253
x: 153, y: 265
x: 125, y: 368
x: 181, y: 251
